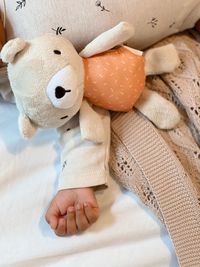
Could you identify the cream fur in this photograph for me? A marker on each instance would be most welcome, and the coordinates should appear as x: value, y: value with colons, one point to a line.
x: 157, y: 109
x: 109, y: 39
x: 11, y: 49
x: 26, y: 127
x: 161, y: 60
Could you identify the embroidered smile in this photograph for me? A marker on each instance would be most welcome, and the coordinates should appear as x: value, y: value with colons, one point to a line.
x: 65, y: 117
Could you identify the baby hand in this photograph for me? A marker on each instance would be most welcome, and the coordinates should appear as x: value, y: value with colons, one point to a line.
x: 72, y: 211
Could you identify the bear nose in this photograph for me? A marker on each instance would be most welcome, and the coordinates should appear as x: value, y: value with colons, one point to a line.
x: 60, y: 92
x: 62, y: 89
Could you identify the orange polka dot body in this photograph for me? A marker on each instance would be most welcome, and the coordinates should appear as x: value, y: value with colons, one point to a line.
x: 114, y: 79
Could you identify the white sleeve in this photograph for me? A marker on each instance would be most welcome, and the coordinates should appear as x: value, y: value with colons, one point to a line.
x: 84, y: 163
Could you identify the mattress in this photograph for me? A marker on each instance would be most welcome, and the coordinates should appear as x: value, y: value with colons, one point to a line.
x: 127, y: 234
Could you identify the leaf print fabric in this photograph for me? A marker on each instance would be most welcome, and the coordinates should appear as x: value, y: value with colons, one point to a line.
x: 20, y: 4
x: 81, y: 21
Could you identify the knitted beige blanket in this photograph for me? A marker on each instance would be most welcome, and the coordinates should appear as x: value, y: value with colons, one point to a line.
x: 163, y: 167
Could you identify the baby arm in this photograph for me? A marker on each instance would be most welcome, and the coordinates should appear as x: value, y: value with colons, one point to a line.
x: 84, y: 167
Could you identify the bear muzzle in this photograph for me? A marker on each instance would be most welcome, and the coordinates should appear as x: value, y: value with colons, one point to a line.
x: 63, y: 89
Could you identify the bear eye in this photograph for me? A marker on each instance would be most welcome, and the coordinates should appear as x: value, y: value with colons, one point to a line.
x: 57, y: 52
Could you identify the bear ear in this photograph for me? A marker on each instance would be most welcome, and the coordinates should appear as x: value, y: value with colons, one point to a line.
x: 26, y: 127
x: 11, y: 49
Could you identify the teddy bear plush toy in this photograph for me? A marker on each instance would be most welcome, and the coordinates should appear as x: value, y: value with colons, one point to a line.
x: 49, y: 80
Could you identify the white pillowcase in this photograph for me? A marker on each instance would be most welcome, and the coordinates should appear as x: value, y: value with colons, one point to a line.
x: 83, y: 20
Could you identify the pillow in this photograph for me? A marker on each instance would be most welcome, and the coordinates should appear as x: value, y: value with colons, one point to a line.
x: 81, y: 21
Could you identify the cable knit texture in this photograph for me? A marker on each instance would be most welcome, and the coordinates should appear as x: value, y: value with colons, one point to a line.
x: 163, y: 167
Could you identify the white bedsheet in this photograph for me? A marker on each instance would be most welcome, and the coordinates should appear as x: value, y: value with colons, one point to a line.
x: 126, y: 234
